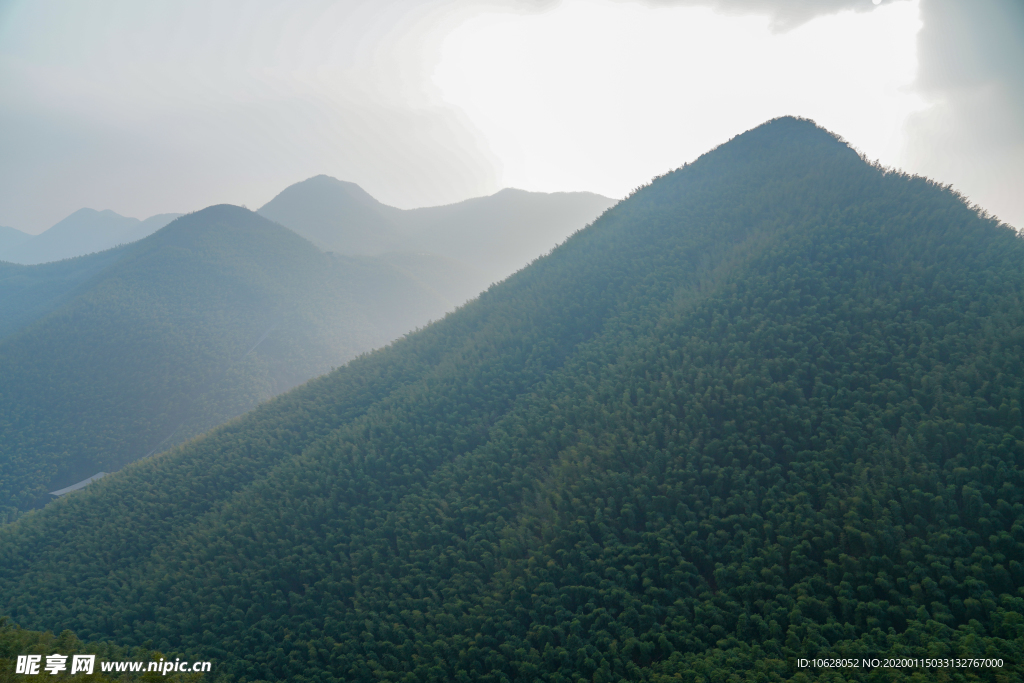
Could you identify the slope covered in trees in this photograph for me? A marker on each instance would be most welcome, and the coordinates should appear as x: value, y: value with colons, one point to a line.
x: 767, y: 408
x: 130, y: 351
x: 27, y: 293
x: 16, y: 642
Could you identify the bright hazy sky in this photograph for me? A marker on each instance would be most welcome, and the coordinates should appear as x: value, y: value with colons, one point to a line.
x: 173, y: 105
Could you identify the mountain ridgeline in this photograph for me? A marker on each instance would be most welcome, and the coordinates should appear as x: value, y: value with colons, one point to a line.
x: 766, y: 408
x: 456, y: 250
x: 129, y: 351
x: 336, y: 215
x: 110, y: 356
x: 86, y: 231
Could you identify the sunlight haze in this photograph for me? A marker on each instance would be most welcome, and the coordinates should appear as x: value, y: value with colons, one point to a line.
x: 170, y: 107
x: 637, y: 91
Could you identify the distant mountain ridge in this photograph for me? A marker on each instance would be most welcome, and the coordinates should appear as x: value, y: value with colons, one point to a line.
x: 336, y: 216
x: 126, y: 352
x: 503, y: 232
x: 491, y: 237
x: 10, y: 237
x: 85, y: 231
x: 484, y: 239
x: 69, y: 321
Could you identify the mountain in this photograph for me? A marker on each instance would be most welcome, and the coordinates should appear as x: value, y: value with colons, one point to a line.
x: 27, y: 293
x: 130, y: 351
x: 83, y: 232
x: 766, y: 408
x: 478, y: 241
x: 9, y: 237
x: 336, y: 216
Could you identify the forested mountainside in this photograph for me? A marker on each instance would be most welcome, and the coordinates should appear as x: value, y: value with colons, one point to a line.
x: 15, y: 642
x: 173, y: 335
x: 766, y: 408
x: 27, y: 293
x: 86, y: 231
x: 457, y: 248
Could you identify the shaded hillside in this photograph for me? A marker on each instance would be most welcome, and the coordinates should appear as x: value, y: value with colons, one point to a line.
x: 766, y: 408
x: 27, y: 293
x: 10, y: 237
x: 84, y: 232
x: 459, y: 249
x: 175, y: 334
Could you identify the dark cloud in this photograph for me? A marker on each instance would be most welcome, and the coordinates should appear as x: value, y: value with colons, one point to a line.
x: 971, y: 67
x: 967, y: 45
x: 962, y: 45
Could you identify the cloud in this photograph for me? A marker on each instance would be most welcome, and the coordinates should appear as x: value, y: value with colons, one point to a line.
x: 971, y: 71
x: 602, y: 94
x: 784, y: 14
x: 971, y: 67
x: 170, y: 106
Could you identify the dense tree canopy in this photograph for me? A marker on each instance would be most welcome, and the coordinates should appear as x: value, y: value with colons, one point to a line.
x: 768, y: 408
x: 17, y: 642
x: 28, y: 293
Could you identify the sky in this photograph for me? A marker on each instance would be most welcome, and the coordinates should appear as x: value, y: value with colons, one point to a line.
x: 174, y: 105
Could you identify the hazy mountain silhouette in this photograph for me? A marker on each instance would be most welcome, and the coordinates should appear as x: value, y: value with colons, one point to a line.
x: 766, y: 408
x: 135, y: 349
x: 10, y: 237
x: 336, y: 216
x: 147, y: 227
x: 480, y: 241
x: 453, y: 281
x: 501, y: 233
x: 84, y: 232
x: 382, y: 296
